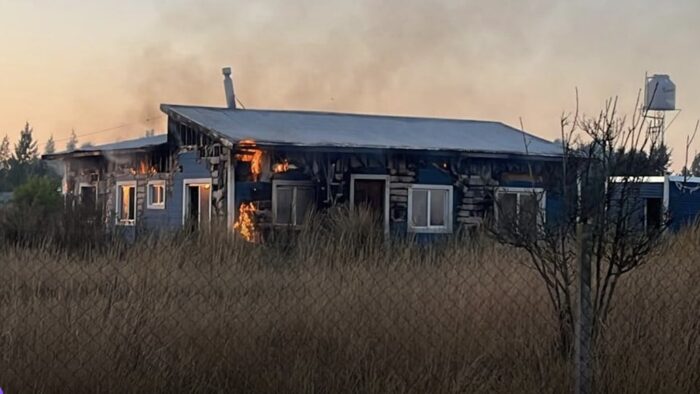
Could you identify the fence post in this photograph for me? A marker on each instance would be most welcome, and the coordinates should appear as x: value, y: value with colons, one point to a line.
x: 583, y: 322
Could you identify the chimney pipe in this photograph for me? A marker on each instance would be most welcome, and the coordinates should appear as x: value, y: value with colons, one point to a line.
x: 228, y: 88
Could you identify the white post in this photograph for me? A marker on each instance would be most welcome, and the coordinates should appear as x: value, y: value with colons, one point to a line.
x: 231, y: 191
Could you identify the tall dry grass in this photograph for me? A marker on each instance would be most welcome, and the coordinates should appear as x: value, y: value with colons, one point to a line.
x: 335, y: 308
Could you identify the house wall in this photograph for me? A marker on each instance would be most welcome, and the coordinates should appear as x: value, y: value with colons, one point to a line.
x: 473, y: 181
x: 105, y: 174
x: 189, y: 166
x: 684, y: 203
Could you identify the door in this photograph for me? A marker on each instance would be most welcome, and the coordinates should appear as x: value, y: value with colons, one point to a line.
x: 192, y: 208
x: 371, y: 191
x: 197, y: 205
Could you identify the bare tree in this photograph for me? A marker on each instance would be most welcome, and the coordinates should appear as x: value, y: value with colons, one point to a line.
x: 590, y: 190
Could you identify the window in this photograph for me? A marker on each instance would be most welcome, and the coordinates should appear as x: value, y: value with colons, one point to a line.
x: 126, y: 203
x: 430, y: 209
x: 156, y: 195
x: 291, y: 202
x: 522, y: 207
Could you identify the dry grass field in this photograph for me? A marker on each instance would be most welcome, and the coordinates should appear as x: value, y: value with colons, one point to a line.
x: 334, y: 309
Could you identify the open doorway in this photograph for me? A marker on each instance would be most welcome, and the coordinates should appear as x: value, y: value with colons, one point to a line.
x: 196, y: 213
x: 88, y: 195
x: 654, y: 213
x: 371, y: 191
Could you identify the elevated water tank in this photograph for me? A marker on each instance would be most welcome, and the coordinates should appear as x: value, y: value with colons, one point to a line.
x: 660, y: 93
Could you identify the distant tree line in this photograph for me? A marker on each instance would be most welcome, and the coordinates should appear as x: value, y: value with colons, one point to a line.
x: 20, y: 164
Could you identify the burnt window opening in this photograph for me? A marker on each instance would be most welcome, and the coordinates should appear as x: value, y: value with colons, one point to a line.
x: 160, y: 160
x: 190, y: 137
x: 157, y: 161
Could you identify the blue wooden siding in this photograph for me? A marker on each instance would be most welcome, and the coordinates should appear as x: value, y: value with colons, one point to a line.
x: 171, y: 217
x: 684, y: 203
x: 651, y: 190
x: 636, y: 196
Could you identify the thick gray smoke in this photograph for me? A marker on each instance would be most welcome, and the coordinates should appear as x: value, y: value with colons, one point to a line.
x: 491, y: 60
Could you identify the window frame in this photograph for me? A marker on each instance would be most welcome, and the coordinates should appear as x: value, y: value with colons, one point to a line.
x: 295, y: 185
x: 149, y: 194
x: 118, y: 205
x: 448, y: 227
x: 518, y: 191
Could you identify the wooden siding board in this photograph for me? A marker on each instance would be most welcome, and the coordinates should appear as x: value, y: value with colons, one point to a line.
x: 684, y: 205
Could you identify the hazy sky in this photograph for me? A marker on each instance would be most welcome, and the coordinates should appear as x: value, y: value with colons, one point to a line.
x: 97, y: 65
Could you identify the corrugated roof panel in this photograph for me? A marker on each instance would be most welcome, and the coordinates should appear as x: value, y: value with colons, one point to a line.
x: 324, y: 129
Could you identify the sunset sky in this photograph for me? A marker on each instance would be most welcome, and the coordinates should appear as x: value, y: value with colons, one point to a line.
x: 99, y: 65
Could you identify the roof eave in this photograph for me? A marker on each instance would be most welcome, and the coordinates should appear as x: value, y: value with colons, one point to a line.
x: 98, y: 152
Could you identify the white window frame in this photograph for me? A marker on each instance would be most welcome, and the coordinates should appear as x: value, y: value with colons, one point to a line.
x: 542, y: 194
x: 431, y: 229
x: 295, y: 184
x: 195, y: 182
x: 118, y: 204
x: 149, y: 194
x: 86, y: 184
x: 387, y: 192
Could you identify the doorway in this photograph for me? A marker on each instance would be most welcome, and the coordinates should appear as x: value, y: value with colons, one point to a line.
x: 88, y: 195
x: 196, y: 212
x: 371, y: 191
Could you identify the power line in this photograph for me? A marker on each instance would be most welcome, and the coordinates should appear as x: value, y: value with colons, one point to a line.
x: 110, y: 129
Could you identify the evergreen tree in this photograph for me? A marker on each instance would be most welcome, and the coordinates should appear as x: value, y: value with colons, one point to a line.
x: 695, y: 167
x: 26, y: 148
x: 72, y: 142
x: 5, y: 154
x: 631, y: 162
x: 659, y: 160
x: 50, y: 146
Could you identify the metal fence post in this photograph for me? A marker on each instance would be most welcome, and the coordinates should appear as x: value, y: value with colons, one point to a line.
x: 583, y: 323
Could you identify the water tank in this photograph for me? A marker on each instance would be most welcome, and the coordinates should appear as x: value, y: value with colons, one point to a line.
x: 660, y: 93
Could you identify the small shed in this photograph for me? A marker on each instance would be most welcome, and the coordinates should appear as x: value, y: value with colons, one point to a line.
x: 672, y: 197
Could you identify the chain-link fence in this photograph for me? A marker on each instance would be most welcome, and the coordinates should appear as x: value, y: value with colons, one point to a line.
x: 331, y: 309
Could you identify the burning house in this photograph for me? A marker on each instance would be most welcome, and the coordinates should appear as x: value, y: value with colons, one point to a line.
x: 261, y: 169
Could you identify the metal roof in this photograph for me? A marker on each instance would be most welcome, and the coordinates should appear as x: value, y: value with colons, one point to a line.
x: 137, y: 143
x: 324, y: 129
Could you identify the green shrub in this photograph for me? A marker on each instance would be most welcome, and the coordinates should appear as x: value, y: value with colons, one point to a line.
x: 38, y: 193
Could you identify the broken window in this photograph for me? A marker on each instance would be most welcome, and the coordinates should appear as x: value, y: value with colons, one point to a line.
x: 156, y: 195
x: 520, y: 207
x: 291, y: 202
x: 430, y: 209
x: 126, y: 203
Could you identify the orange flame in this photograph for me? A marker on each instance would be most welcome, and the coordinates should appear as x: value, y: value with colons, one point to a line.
x: 253, y: 156
x: 281, y: 167
x: 245, y: 225
x: 144, y: 168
